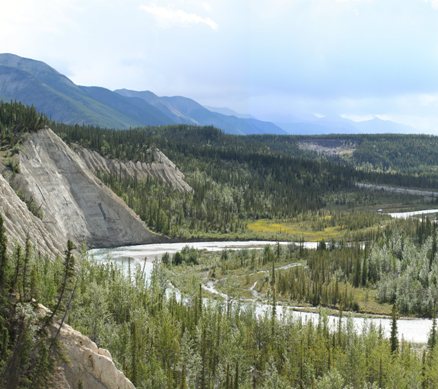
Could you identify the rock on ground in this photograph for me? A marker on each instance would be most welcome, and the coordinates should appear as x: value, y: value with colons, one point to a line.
x: 88, y: 364
x: 83, y: 364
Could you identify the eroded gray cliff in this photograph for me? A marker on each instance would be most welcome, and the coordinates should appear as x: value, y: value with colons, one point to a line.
x: 75, y: 204
x: 87, y: 365
x: 80, y: 363
x: 20, y: 222
x: 162, y: 168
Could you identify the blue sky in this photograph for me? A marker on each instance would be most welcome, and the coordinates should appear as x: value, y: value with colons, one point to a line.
x: 275, y: 59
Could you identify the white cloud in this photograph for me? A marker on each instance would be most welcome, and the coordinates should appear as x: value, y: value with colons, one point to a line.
x: 433, y: 3
x: 170, y: 16
x: 359, y: 118
x: 353, y: 1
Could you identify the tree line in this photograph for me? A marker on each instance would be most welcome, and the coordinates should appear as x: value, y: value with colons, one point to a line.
x: 29, y: 348
x: 17, y: 119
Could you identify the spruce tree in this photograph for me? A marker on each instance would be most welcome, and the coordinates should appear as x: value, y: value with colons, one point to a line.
x: 394, y: 337
x: 432, y: 337
x: 67, y: 282
x: 3, y: 256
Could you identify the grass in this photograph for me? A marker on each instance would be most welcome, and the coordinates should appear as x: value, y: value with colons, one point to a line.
x: 295, y: 230
x: 367, y: 299
x: 326, y: 226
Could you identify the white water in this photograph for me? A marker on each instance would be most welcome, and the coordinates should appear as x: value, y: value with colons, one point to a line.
x: 152, y: 251
x: 405, y: 215
x: 412, y: 330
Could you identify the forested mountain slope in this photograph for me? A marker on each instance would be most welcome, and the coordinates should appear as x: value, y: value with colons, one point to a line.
x: 385, y: 159
x: 188, y: 111
x: 161, y: 341
x: 35, y: 83
x: 233, y: 178
x: 397, y: 153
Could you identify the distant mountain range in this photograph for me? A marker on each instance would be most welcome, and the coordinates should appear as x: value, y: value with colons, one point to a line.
x: 339, y: 125
x: 36, y: 83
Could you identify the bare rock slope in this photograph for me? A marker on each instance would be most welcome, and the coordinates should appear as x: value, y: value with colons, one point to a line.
x: 81, y: 363
x: 19, y: 222
x: 162, y: 168
x: 87, y: 365
x: 75, y: 204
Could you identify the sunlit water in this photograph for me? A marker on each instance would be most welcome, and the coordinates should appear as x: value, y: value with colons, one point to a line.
x: 413, y: 330
x: 405, y: 215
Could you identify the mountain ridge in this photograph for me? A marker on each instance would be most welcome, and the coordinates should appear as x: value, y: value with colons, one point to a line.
x: 340, y: 125
x: 35, y: 83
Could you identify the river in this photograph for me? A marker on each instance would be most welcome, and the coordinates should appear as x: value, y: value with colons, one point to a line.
x: 405, y: 215
x: 412, y: 330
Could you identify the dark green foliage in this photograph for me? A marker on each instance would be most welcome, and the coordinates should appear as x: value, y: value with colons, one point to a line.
x: 3, y: 257
x: 66, y: 285
x: 432, y: 337
x: 25, y: 357
x: 394, y: 332
x: 187, y: 255
x: 328, y: 279
x: 400, y: 266
x: 161, y: 342
x: 408, y: 153
x: 234, y: 178
x: 17, y: 119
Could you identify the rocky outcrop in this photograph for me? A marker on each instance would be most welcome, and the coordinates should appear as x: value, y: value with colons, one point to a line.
x: 20, y: 222
x: 75, y: 204
x: 162, y: 168
x: 81, y: 364
x: 88, y: 365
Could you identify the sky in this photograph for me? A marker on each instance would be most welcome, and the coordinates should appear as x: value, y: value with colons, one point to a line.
x: 280, y: 60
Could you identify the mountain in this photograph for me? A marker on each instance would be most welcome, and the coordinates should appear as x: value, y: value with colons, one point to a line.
x: 377, y: 125
x: 190, y: 112
x: 338, y: 125
x: 229, y: 112
x: 36, y: 83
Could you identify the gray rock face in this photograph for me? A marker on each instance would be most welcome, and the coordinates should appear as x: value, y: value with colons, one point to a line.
x: 20, y: 222
x: 162, y: 168
x: 84, y: 364
x: 88, y: 365
x: 75, y: 204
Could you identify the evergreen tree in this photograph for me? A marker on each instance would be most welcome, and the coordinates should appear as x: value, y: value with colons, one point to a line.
x: 432, y: 336
x: 3, y: 256
x: 394, y: 332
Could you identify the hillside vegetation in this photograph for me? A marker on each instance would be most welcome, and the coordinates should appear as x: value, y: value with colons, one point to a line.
x: 161, y: 341
x: 239, y: 180
x: 233, y: 178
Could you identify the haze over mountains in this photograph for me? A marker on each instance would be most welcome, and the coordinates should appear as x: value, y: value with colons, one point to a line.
x: 36, y: 83
x: 339, y: 125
